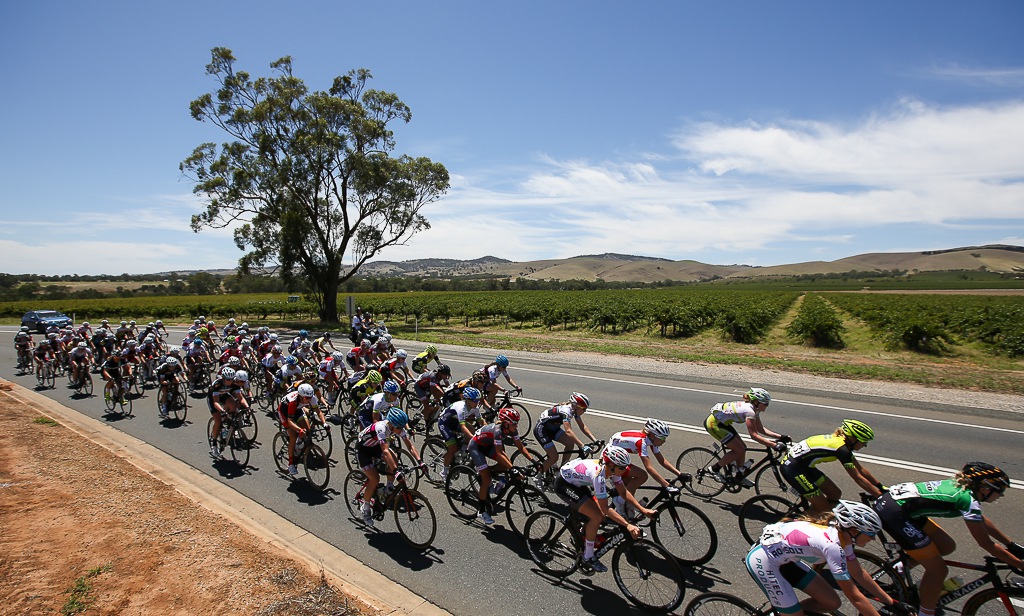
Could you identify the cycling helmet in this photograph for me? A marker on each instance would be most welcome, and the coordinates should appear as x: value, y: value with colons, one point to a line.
x: 104, y: 321
x: 364, y: 343
x: 397, y: 417
x: 242, y: 375
x: 387, y: 338
x: 203, y: 331
x: 132, y: 342
x: 232, y: 341
x: 401, y: 354
x: 244, y: 325
x: 756, y: 394
x: 123, y: 323
x: 291, y: 360
x: 857, y: 515
x: 132, y: 323
x: 338, y: 356
x: 303, y: 333
x: 391, y: 387
x: 374, y: 377
x: 471, y: 393
x: 502, y: 361
x: 150, y: 338
x: 210, y: 322
x: 306, y: 344
x: 857, y: 430
x: 983, y: 475
x: 327, y: 335
x: 228, y: 373
x: 431, y: 349
x: 580, y: 400
x: 615, y: 455
x: 174, y: 350
x: 85, y: 324
x: 656, y: 427
x: 202, y: 319
x: 444, y: 369
x: 231, y: 320
x: 158, y: 323
x: 24, y: 328
x: 277, y: 349
x: 234, y: 361
x: 273, y: 336
x: 172, y: 361
x: 306, y: 390
x: 508, y: 414
x: 83, y: 345
x: 44, y: 343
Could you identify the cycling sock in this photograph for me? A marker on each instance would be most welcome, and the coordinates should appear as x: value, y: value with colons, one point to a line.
x: 588, y: 550
x: 924, y: 612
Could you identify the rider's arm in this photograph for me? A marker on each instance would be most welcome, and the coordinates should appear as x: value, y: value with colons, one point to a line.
x: 759, y: 433
x: 857, y: 598
x: 865, y: 479
x: 653, y: 473
x: 983, y: 532
x: 585, y: 429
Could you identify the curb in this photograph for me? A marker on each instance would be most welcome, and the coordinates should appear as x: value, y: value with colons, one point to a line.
x: 341, y: 570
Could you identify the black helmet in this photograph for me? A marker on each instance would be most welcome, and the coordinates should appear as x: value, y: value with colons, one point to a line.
x: 982, y: 474
x: 444, y: 369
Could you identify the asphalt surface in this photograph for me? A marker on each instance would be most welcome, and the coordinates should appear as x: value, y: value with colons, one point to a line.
x: 485, y: 571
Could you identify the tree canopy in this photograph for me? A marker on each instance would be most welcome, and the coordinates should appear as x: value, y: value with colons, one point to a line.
x: 308, y: 179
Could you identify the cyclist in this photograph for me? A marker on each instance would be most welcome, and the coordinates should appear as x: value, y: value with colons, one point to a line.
x: 113, y: 369
x: 168, y: 375
x: 195, y: 358
x: 555, y: 426
x: 783, y: 560
x: 454, y: 392
x: 583, y: 485
x: 644, y: 443
x: 376, y: 406
x: 457, y: 423
x: 420, y: 362
x: 298, y: 340
x: 364, y: 388
x: 390, y: 368
x: 372, y: 445
x: 271, y: 362
x: 42, y: 354
x: 287, y: 374
x: 719, y: 425
x: 224, y: 398
x: 327, y: 371
x: 488, y: 442
x: 24, y: 344
x: 358, y: 357
x: 492, y: 370
x: 906, y: 510
x: 80, y: 358
x: 320, y: 346
x: 429, y: 389
x: 799, y: 467
x: 291, y: 414
x: 358, y: 327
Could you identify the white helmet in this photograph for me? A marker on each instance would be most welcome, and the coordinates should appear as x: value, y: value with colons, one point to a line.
x: 306, y: 390
x: 242, y: 375
x: 172, y: 361
x: 613, y: 454
x: 656, y: 427
x: 228, y: 373
x: 857, y: 515
x: 401, y: 354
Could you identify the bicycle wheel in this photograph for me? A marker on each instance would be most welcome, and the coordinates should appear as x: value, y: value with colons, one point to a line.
x: 351, y: 459
x: 238, y: 444
x: 648, y: 575
x: 124, y: 404
x: 246, y: 422
x: 462, y: 489
x: 179, y: 404
x: 720, y: 604
x: 135, y: 385
x: 518, y: 460
x: 552, y: 544
x: 318, y: 467
x: 988, y: 602
x: 280, y: 450
x: 407, y: 464
x: 353, y: 493
x: 87, y: 384
x: 768, y: 480
x: 521, y: 502
x: 415, y: 519
x: 697, y: 461
x: 760, y: 511
x: 432, y: 453
x: 109, y: 399
x: 525, y: 420
x: 685, y: 532
x: 51, y: 377
x: 881, y: 571
x: 350, y: 425
x: 323, y: 438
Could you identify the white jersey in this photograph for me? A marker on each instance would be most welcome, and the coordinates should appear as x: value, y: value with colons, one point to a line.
x: 726, y: 413
x: 588, y: 472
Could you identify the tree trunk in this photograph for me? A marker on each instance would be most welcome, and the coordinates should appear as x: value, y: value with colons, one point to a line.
x: 329, y: 310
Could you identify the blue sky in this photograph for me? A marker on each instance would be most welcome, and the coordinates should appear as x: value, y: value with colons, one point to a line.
x: 724, y: 132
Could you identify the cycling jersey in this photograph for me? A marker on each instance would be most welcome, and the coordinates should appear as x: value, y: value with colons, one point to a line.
x: 455, y: 415
x: 549, y: 428
x: 326, y: 367
x: 785, y: 554
x: 491, y: 436
x: 726, y: 413
x: 292, y: 406
x: 941, y: 499
x: 361, y: 391
x: 635, y: 441
x: 377, y: 402
x: 22, y: 340
x: 420, y: 362
x: 493, y: 372
x: 812, y: 451
x: 377, y: 433
x: 589, y: 473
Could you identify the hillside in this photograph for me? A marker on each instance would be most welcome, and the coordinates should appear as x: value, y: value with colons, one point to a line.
x: 630, y: 268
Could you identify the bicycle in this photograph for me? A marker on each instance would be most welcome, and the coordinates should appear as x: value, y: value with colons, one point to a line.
x: 682, y: 529
x: 116, y: 398
x: 546, y: 479
x: 519, y: 499
x: 505, y: 401
x: 83, y: 386
x: 403, y: 457
x: 646, y: 574
x: 315, y: 463
x: 413, y: 513
x: 433, y: 452
x: 233, y: 437
x: 768, y: 477
x: 46, y: 375
x: 25, y: 363
x: 176, y: 400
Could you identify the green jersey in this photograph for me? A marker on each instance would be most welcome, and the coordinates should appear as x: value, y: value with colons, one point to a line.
x: 940, y: 499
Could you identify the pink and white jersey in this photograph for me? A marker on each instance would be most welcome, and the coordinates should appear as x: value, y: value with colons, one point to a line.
x: 377, y: 433
x: 634, y: 441
x: 588, y: 472
x: 786, y: 542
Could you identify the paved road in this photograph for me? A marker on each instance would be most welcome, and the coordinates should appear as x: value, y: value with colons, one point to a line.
x: 477, y: 570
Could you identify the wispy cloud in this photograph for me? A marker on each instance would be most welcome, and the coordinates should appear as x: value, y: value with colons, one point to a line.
x: 1008, y: 77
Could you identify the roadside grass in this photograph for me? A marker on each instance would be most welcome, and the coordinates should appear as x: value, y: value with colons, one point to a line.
x: 44, y: 421
x: 80, y: 596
